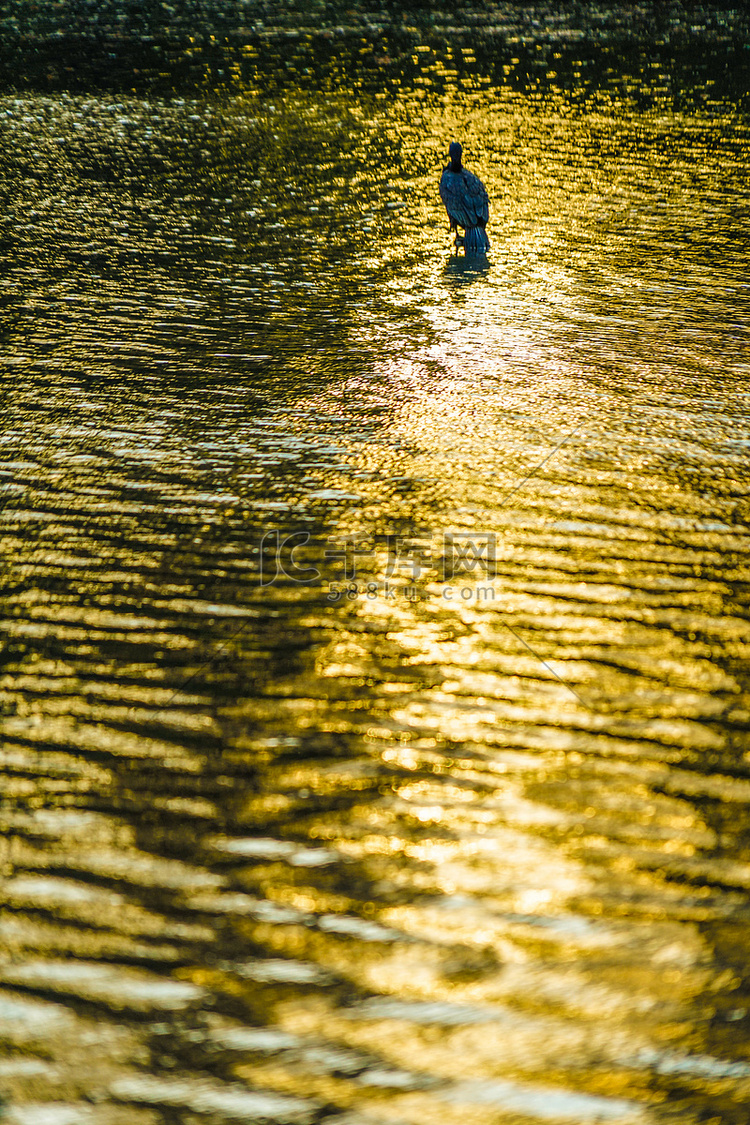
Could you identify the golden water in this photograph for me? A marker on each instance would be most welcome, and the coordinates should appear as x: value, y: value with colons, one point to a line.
x: 402, y: 845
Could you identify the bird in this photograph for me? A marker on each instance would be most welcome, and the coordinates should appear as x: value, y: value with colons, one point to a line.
x: 466, y: 201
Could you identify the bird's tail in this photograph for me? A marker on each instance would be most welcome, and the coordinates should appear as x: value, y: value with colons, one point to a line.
x: 476, y: 240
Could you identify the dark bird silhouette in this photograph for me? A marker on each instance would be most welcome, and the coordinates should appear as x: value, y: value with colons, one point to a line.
x: 466, y: 201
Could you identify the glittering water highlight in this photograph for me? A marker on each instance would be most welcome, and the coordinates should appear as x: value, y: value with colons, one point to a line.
x: 316, y: 808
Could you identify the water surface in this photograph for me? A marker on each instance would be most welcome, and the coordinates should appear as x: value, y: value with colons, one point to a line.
x: 358, y: 833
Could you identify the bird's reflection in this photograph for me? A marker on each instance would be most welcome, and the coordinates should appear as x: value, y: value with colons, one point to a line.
x: 459, y: 272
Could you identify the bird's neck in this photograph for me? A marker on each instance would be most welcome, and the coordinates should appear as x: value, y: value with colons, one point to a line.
x: 456, y: 167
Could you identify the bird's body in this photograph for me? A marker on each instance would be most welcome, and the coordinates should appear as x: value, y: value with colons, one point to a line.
x: 466, y: 201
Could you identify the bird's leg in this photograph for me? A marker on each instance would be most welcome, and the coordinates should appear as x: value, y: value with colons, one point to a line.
x: 458, y: 240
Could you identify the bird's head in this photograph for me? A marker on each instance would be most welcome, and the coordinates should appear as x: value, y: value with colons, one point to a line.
x: 455, y: 152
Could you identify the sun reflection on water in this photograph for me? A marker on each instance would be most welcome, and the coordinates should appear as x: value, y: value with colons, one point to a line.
x: 463, y: 841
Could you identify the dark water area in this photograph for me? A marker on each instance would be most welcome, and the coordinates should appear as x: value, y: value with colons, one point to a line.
x: 374, y: 686
x: 652, y: 53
